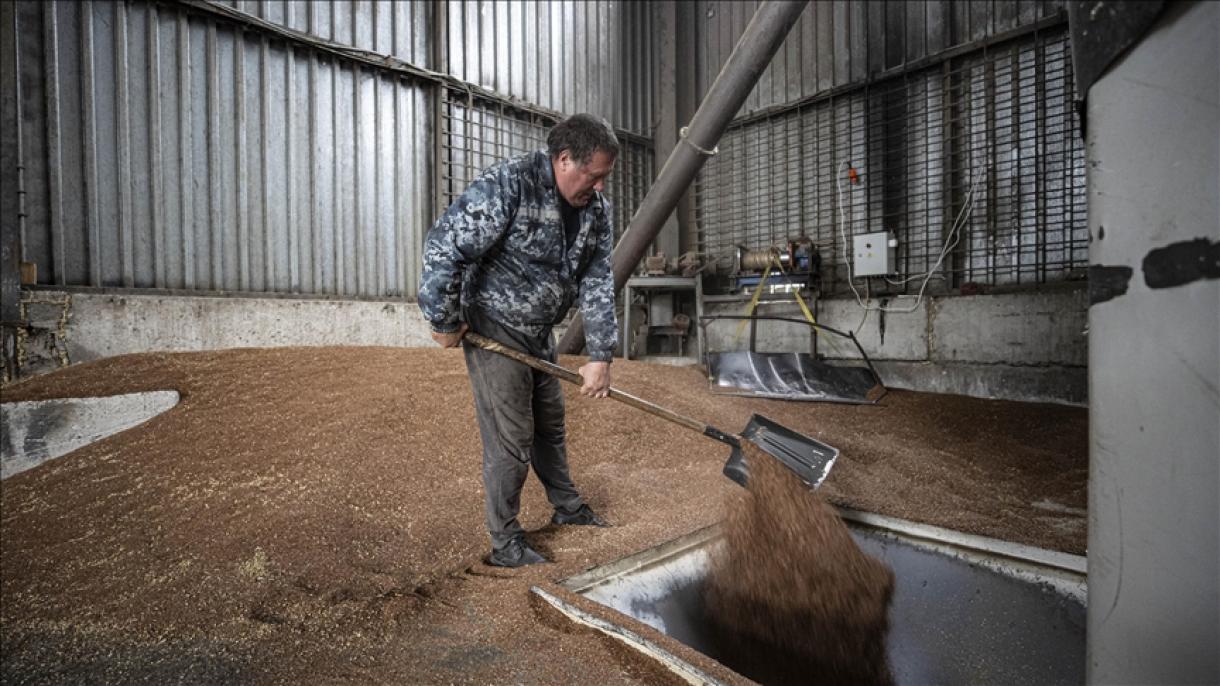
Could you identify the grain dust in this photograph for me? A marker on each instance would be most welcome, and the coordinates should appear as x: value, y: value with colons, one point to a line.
x: 790, y: 596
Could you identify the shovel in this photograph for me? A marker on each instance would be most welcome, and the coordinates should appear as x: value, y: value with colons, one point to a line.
x: 808, y: 458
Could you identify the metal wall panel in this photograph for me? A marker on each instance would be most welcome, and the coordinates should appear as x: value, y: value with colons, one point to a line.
x: 476, y: 134
x: 171, y: 150
x: 399, y: 28
x: 564, y: 56
x: 838, y: 42
x: 191, y: 147
x: 984, y: 142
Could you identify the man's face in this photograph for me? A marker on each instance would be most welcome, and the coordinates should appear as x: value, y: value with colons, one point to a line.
x: 577, y: 182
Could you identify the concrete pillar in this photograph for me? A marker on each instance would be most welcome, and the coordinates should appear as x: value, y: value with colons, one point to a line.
x: 1153, y: 146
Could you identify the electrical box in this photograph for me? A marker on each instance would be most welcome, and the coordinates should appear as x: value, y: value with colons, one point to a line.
x: 874, y: 254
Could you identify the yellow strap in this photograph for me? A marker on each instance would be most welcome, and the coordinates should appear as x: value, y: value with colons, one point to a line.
x: 796, y: 293
x: 741, y: 326
x: 804, y: 307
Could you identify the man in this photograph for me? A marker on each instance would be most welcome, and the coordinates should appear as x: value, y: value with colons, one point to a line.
x: 507, y: 260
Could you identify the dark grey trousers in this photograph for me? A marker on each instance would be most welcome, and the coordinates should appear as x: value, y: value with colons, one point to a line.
x: 520, y: 413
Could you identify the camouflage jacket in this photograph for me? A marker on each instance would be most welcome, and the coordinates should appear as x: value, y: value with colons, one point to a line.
x: 501, y: 248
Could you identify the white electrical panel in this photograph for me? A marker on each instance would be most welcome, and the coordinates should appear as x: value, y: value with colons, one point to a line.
x: 874, y: 254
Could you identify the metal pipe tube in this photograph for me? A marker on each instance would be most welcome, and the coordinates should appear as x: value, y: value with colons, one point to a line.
x: 753, y: 52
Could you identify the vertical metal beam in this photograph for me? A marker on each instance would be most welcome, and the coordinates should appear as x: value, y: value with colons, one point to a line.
x: 1014, y: 142
x: 989, y: 115
x: 687, y: 81
x: 55, y: 178
x: 157, y: 171
x: 398, y: 184
x: 215, y: 219
x: 957, y: 158
x: 439, y: 63
x: 186, y: 166
x: 269, y: 261
x: 757, y: 45
x: 1040, y: 177
x: 291, y: 228
x: 10, y: 248
x: 92, y: 212
x: 665, y: 137
x: 126, y: 227
x: 357, y: 177
x: 241, y: 168
x: 379, y: 274
x: 377, y: 286
x: 315, y: 239
x: 336, y: 206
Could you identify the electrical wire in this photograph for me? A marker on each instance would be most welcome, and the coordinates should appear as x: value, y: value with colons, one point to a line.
x: 951, y: 242
x: 863, y: 317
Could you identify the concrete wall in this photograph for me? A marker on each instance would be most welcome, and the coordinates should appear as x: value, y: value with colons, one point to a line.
x: 1154, y: 357
x: 1017, y: 346
x: 102, y: 325
x: 1024, y: 347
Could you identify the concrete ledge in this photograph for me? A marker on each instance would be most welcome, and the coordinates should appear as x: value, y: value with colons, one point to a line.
x: 1016, y: 346
x: 904, y: 336
x: 1022, y: 346
x: 1050, y: 384
x: 103, y: 325
x: 883, y: 335
x: 1013, y: 328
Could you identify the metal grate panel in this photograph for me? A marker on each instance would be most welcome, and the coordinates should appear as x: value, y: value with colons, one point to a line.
x: 988, y: 136
x: 476, y: 134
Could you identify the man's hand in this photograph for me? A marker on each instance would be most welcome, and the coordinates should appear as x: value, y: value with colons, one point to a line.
x: 597, y: 379
x: 450, y: 340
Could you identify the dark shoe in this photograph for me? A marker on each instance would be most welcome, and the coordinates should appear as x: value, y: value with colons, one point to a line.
x: 516, y: 553
x: 583, y: 516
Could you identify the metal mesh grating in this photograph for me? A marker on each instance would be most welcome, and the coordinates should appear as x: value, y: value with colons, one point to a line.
x: 999, y: 120
x: 630, y: 181
x: 477, y: 134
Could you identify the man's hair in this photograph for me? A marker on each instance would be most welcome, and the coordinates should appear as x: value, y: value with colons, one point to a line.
x: 582, y: 135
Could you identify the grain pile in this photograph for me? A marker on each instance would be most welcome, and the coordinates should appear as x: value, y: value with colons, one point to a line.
x: 315, y: 514
x: 790, y: 594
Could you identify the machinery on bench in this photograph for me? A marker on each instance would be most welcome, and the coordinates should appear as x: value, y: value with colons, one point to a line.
x: 789, y: 275
x: 798, y: 265
x: 654, y: 323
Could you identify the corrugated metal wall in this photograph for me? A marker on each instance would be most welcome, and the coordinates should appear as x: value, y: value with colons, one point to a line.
x: 566, y: 56
x: 475, y: 133
x: 838, y: 42
x: 398, y: 29
x: 208, y: 147
x: 950, y: 125
x: 294, y: 146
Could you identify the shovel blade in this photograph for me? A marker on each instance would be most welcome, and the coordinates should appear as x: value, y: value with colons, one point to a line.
x: 808, y: 458
x: 791, y: 376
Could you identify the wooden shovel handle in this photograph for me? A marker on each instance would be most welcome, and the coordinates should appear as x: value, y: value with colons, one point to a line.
x: 565, y: 374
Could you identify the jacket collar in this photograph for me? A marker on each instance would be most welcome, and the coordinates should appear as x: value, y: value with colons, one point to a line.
x: 546, y: 173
